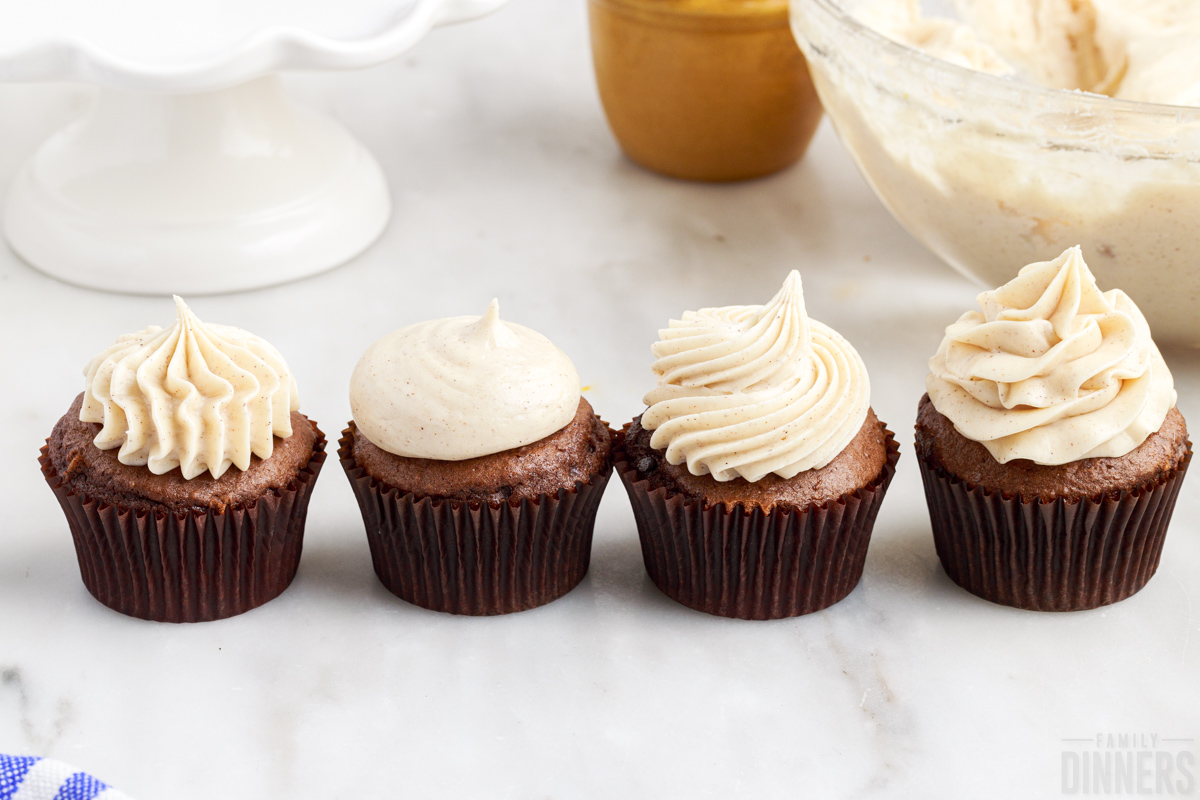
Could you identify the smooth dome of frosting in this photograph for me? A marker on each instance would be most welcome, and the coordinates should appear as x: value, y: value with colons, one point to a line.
x: 463, y: 387
x: 746, y: 391
x: 194, y: 396
x: 1052, y: 369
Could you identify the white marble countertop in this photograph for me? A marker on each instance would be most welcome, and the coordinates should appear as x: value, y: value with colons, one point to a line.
x: 508, y: 184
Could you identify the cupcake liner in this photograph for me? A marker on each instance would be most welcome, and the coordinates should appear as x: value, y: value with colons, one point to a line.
x: 1049, y: 556
x: 188, y: 566
x: 475, y: 558
x: 731, y: 561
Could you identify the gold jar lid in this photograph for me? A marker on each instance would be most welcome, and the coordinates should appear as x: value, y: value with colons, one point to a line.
x: 717, y: 15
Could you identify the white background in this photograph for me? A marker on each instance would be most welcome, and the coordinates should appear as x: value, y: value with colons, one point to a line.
x: 508, y: 184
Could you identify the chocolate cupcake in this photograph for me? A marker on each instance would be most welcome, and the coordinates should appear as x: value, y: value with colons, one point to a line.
x: 758, y: 468
x: 184, y: 470
x: 477, y: 464
x: 1050, y: 445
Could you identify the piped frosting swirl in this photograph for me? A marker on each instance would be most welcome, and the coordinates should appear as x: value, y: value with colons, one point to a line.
x: 194, y: 396
x: 747, y: 391
x: 1052, y: 369
x: 463, y: 387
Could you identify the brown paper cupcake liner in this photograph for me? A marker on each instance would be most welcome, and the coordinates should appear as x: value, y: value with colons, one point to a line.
x: 731, y: 561
x: 1049, y: 556
x: 475, y: 558
x: 188, y: 566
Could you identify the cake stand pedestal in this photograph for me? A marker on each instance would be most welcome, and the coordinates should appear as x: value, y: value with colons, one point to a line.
x: 192, y: 172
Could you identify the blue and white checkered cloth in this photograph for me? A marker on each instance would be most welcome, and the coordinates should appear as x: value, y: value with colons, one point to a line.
x: 31, y: 778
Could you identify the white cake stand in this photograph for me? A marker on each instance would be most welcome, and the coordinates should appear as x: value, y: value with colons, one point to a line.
x: 193, y: 172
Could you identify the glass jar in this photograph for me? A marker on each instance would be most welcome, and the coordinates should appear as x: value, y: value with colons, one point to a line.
x: 710, y: 90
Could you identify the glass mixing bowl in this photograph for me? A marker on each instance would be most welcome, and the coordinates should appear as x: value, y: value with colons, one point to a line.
x: 993, y: 174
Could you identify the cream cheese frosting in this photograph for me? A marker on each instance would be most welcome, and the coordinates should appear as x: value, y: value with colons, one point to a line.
x: 198, y: 397
x: 941, y: 38
x: 1141, y: 50
x: 1051, y: 369
x: 749, y: 391
x: 463, y: 387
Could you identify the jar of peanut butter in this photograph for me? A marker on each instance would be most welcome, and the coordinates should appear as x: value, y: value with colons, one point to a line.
x: 709, y: 90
